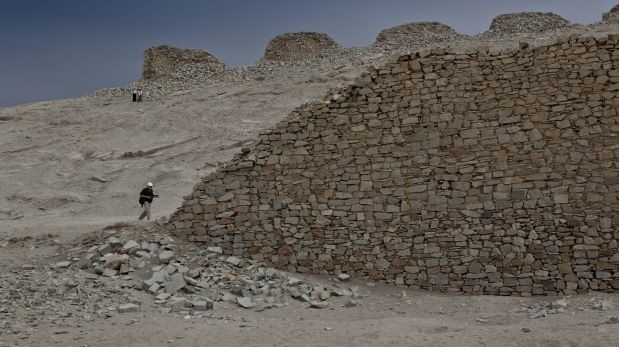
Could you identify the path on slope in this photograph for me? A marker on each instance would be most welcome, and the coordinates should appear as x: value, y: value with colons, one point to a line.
x: 50, y: 151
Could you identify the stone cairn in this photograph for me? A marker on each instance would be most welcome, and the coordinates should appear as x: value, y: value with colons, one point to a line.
x: 526, y: 23
x: 612, y: 15
x: 298, y: 46
x: 480, y: 172
x: 415, y: 35
x: 161, y: 61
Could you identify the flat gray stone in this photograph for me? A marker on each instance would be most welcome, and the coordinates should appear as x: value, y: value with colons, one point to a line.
x: 177, y: 303
x: 293, y: 281
x: 214, y: 250
x: 114, y: 261
x: 343, y: 277
x: 350, y: 303
x: 110, y: 272
x: 157, y: 277
x: 319, y: 304
x: 233, y: 260
x: 130, y: 246
x: 128, y: 308
x: 245, y: 302
x: 166, y: 256
x: 62, y: 264
x: 176, y: 283
x: 227, y: 297
x: 202, y: 305
x: 113, y: 241
x: 163, y: 296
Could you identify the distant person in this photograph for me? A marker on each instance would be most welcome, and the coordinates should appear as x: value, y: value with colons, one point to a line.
x: 146, y: 198
x: 140, y: 95
x: 134, y: 93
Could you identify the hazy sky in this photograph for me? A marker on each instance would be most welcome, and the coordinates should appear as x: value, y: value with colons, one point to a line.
x: 52, y: 49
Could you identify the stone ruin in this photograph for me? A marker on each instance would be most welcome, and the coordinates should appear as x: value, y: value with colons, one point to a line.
x: 485, y: 172
x: 162, y: 61
x: 417, y: 35
x: 298, y: 46
x: 612, y: 15
x: 527, y: 23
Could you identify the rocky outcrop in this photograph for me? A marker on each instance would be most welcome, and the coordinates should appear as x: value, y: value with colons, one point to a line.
x: 162, y: 61
x: 485, y: 172
x: 298, y: 46
x: 415, y: 35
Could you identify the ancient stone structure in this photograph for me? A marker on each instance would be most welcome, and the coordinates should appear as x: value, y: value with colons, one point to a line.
x: 298, y: 46
x: 527, y: 22
x: 161, y: 61
x: 612, y: 15
x: 417, y: 34
x: 485, y: 172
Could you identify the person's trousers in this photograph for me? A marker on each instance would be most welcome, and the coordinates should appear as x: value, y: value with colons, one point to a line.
x: 146, y: 212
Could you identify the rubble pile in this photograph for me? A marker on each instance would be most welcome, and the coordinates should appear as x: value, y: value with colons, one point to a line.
x: 59, y: 294
x: 122, y: 275
x: 195, y: 280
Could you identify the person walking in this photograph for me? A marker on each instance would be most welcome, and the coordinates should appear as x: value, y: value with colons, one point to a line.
x: 134, y: 93
x: 140, y: 95
x: 146, y: 198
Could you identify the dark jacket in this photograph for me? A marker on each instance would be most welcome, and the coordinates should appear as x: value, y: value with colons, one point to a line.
x: 148, y: 191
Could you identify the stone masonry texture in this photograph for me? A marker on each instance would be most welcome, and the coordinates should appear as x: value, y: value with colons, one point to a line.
x: 298, y: 46
x: 163, y: 60
x: 485, y: 172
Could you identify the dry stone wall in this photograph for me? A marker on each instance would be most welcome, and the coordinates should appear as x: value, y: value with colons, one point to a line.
x: 484, y: 172
x: 161, y: 61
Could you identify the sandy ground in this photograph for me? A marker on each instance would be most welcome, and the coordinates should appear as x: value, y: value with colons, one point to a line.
x: 50, y: 152
x: 386, y: 315
x: 387, y: 320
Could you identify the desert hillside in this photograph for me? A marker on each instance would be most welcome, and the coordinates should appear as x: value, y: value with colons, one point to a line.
x: 81, y: 270
x: 196, y: 114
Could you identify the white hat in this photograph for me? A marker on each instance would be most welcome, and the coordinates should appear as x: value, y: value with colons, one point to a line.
x: 149, y: 184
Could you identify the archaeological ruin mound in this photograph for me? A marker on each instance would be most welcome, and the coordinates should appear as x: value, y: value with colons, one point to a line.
x: 484, y: 172
x: 527, y: 23
x: 612, y: 15
x: 298, y: 46
x: 161, y: 61
x: 417, y: 34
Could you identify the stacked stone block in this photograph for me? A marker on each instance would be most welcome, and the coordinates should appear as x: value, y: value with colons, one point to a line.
x: 484, y: 172
x: 299, y: 46
x: 163, y: 60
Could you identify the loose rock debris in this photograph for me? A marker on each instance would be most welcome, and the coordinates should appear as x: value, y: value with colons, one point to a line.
x: 121, y: 275
x: 182, y: 282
